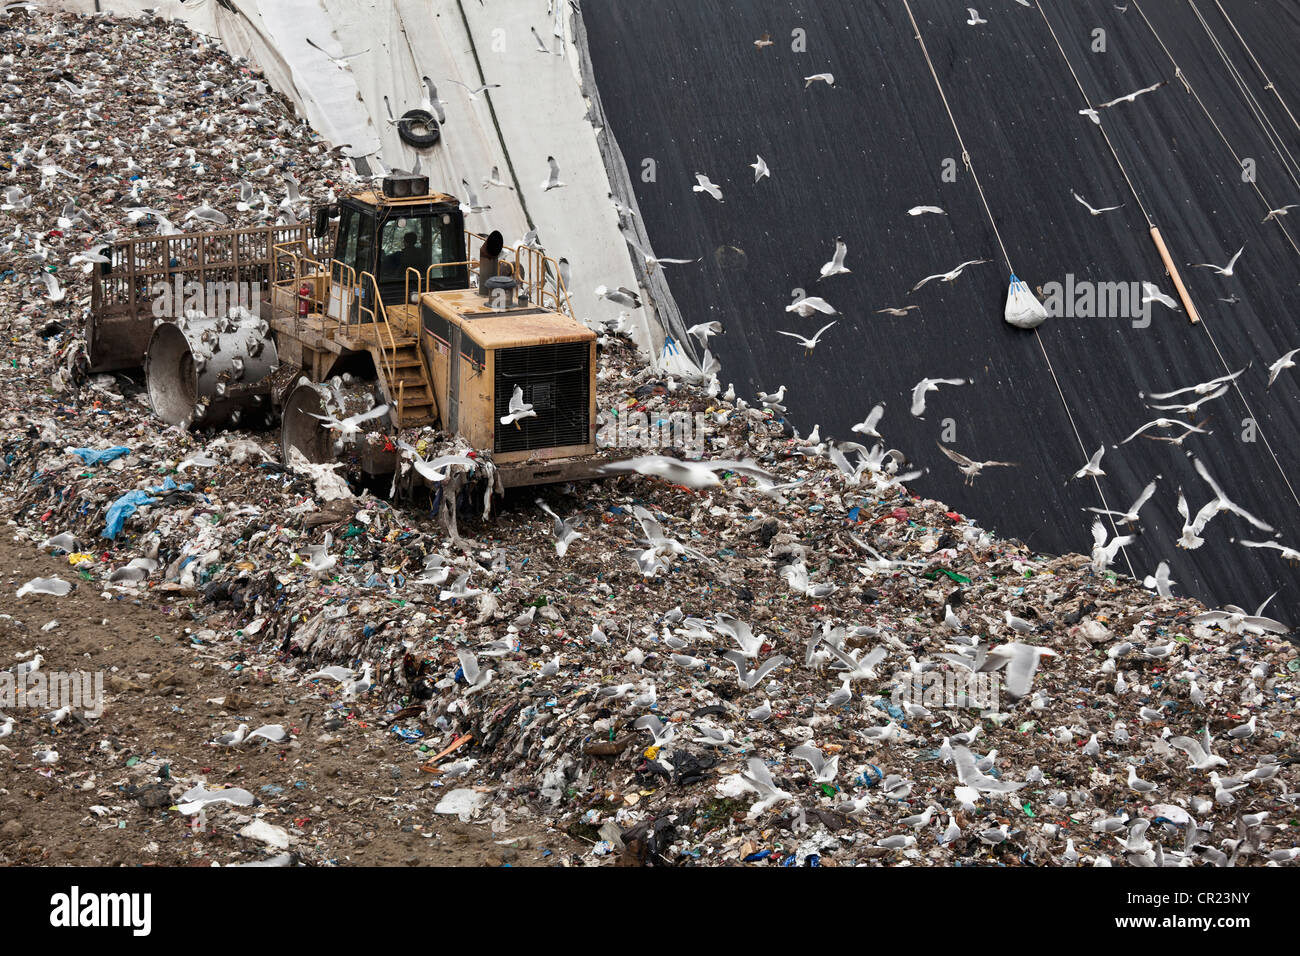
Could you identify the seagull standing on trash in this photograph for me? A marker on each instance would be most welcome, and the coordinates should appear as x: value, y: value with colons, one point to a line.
x: 1137, y: 784
x: 233, y: 739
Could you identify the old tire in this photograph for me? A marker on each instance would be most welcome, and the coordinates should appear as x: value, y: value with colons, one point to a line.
x: 418, y: 128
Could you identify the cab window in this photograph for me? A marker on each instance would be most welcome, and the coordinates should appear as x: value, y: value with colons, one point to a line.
x: 408, y: 243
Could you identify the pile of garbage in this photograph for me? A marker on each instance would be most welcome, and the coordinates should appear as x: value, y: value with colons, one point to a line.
x: 780, y: 657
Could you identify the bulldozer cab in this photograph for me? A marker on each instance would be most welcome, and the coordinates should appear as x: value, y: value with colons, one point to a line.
x: 387, y: 237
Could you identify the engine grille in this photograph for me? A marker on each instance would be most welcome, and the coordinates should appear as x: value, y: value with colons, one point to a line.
x: 555, y: 380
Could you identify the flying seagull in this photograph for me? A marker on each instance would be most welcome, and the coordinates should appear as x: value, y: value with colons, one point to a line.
x: 1130, y: 516
x: 1152, y: 293
x: 1164, y: 423
x: 927, y: 385
x: 351, y: 426
x: 553, y: 182
x: 1130, y: 97
x: 827, y: 78
x: 476, y: 91
x: 810, y: 304
x: 1191, y: 408
x: 654, y: 262
x: 836, y: 266
x: 1093, y: 467
x: 823, y: 770
x: 868, y: 425
x: 1103, y: 554
x: 948, y: 276
x: 1221, y: 270
x: 704, y: 330
x: 808, y: 343
x: 971, y: 468
x: 1285, y: 362
x: 565, y: 533
x: 760, y: 170
x: 704, y: 185
x: 494, y: 179
x: 750, y: 679
x: 896, y: 311
x: 922, y: 210
x: 1280, y: 211
x: 975, y: 18
x: 519, y: 409
x: 341, y: 61
x: 1091, y: 208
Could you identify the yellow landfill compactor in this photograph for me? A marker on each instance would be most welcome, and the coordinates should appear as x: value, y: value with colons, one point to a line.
x: 382, y: 314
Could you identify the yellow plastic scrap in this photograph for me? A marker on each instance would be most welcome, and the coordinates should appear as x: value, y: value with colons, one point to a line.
x: 78, y: 557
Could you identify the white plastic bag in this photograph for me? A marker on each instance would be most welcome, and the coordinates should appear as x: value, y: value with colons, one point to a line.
x: 1024, y: 311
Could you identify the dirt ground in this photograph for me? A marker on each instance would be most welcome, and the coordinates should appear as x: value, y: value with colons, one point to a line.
x: 347, y: 790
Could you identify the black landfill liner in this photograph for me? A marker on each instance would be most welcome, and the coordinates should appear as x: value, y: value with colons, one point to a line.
x: 682, y: 83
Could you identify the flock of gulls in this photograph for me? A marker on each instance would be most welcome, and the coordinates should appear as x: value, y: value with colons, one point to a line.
x: 1189, y: 401
x: 840, y: 653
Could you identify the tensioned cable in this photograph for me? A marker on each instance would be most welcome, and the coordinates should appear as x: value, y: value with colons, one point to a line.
x: 1087, y: 99
x: 965, y: 153
x: 1256, y: 110
x: 1204, y: 324
x: 1178, y: 71
x: 1268, y: 83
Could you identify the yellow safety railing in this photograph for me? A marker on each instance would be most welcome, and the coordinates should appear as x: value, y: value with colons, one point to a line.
x: 378, y: 317
x: 304, y: 267
x: 419, y: 285
x: 538, y: 274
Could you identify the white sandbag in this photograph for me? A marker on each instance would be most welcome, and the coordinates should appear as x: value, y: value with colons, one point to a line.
x: 1024, y: 311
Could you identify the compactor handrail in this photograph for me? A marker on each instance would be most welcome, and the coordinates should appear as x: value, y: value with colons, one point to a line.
x: 379, y: 316
x: 532, y: 267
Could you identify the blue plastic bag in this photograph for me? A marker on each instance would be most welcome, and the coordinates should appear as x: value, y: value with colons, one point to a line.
x: 123, y: 508
x: 98, y: 456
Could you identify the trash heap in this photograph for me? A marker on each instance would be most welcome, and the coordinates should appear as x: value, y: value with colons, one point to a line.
x: 751, y: 671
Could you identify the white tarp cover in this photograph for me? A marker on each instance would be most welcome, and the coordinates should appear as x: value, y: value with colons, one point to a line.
x: 1024, y: 311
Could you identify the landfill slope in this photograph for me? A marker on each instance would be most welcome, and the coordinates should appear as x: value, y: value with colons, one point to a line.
x: 610, y: 670
x: 852, y: 159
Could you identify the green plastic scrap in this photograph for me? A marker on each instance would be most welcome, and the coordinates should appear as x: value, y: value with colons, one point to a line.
x: 959, y: 578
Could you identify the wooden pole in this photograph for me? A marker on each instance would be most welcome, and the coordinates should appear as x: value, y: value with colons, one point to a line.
x: 1192, y: 314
